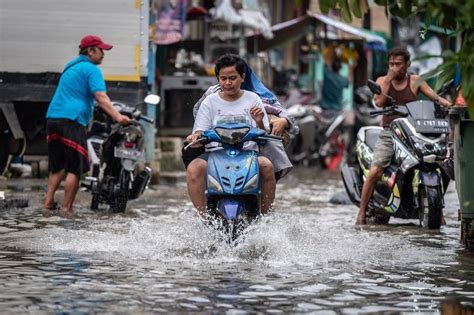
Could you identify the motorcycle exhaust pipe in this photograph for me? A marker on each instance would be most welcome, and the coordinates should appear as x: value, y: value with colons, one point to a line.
x: 140, y: 183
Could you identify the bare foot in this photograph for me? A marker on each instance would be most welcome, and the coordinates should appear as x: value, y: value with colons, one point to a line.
x: 361, y: 220
x: 52, y: 206
x: 49, y: 212
x: 68, y: 214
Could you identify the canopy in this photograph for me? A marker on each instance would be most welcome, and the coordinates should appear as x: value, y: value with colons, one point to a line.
x: 373, y: 40
x: 296, y: 28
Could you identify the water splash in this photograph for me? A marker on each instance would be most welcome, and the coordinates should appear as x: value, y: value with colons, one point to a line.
x: 278, y: 240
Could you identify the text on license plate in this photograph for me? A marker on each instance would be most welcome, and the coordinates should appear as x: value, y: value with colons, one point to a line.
x: 432, y: 125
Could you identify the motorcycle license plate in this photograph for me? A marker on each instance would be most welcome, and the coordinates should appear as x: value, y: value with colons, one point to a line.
x: 432, y: 125
x: 130, y: 154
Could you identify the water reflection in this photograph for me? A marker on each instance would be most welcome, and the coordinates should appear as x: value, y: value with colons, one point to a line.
x: 307, y: 257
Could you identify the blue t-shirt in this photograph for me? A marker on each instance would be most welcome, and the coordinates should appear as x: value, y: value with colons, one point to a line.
x: 333, y: 85
x: 74, y: 96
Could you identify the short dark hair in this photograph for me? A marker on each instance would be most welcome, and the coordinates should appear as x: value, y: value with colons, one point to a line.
x: 229, y: 60
x: 399, y: 51
x: 336, y: 65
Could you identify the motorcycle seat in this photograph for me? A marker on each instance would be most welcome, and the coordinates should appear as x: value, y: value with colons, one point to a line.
x: 371, y: 136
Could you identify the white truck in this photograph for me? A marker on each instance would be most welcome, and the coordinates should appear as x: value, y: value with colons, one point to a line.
x: 37, y: 38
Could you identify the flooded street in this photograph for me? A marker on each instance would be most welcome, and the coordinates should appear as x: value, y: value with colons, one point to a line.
x: 158, y: 257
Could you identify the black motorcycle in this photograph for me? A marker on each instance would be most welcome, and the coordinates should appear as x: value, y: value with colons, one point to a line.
x: 115, y: 152
x: 322, y: 136
x: 413, y: 186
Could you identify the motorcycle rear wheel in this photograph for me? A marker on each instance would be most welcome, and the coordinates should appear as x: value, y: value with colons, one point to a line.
x: 119, y: 204
x: 429, y: 213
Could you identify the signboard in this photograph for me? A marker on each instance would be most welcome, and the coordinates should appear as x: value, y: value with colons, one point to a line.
x: 170, y: 18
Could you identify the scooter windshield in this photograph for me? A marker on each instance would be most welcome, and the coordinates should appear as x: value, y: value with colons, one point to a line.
x: 427, y: 117
x: 233, y: 119
x: 422, y: 110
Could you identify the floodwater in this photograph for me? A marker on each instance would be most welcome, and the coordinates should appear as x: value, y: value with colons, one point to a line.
x: 307, y: 257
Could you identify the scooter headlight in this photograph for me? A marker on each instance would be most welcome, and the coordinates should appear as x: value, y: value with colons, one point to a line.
x: 425, y: 148
x: 251, y: 184
x: 213, y: 184
x: 232, y: 136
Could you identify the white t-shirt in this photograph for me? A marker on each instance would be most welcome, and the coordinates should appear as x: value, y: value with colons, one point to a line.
x: 214, y: 106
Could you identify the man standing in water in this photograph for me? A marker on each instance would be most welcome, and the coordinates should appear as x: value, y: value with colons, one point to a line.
x: 68, y: 114
x: 403, y: 88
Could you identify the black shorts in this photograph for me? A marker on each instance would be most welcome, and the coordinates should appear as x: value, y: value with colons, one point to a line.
x: 67, y: 146
x: 190, y: 154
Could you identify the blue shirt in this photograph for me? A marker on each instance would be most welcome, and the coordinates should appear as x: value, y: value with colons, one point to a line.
x: 333, y: 85
x: 74, y: 96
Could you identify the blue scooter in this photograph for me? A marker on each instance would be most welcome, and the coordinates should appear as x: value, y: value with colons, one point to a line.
x: 233, y: 185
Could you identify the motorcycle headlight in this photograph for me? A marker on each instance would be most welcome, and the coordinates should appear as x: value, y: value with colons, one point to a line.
x: 232, y: 136
x: 251, y: 184
x: 213, y: 184
x: 426, y: 148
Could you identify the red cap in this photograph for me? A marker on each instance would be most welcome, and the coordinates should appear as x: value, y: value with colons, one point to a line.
x: 94, y: 41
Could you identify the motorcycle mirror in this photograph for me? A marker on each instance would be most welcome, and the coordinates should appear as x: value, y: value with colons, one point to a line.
x: 374, y: 87
x: 152, y: 99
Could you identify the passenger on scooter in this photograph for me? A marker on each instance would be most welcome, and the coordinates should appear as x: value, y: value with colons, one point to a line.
x: 281, y: 123
x: 231, y: 100
x: 403, y: 88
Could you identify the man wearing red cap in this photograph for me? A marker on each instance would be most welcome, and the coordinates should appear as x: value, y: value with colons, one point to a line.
x: 69, y: 113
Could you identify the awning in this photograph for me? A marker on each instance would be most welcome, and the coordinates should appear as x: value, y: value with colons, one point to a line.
x: 374, y: 41
x: 284, y: 33
x: 293, y: 30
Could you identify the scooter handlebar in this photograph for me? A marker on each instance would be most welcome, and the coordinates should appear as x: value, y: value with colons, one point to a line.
x: 374, y: 113
x: 200, y: 139
x: 147, y: 119
x: 392, y: 110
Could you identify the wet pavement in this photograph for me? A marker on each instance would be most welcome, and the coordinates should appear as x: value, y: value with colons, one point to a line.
x: 307, y: 257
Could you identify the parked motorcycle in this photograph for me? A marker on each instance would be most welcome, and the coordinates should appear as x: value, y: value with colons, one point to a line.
x: 321, y: 139
x: 233, y: 189
x: 115, y: 151
x: 413, y: 186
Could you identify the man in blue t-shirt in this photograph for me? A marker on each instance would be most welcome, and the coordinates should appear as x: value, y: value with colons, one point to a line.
x: 69, y: 113
x: 333, y: 86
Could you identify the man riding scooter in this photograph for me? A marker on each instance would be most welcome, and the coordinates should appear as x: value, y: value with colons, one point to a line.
x: 403, y: 88
x: 230, y: 101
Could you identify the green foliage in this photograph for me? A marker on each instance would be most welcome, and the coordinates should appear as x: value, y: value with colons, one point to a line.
x: 348, y: 7
x: 456, y: 15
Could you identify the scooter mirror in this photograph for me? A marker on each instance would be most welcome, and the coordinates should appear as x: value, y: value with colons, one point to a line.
x: 374, y: 87
x: 152, y: 99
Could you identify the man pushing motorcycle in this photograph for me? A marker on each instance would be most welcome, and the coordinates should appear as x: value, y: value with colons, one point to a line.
x: 68, y: 114
x: 403, y: 88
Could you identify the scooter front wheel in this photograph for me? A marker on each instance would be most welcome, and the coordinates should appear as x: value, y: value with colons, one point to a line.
x: 429, y: 213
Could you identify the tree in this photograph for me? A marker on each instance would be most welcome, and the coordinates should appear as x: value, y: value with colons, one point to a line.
x: 456, y: 15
